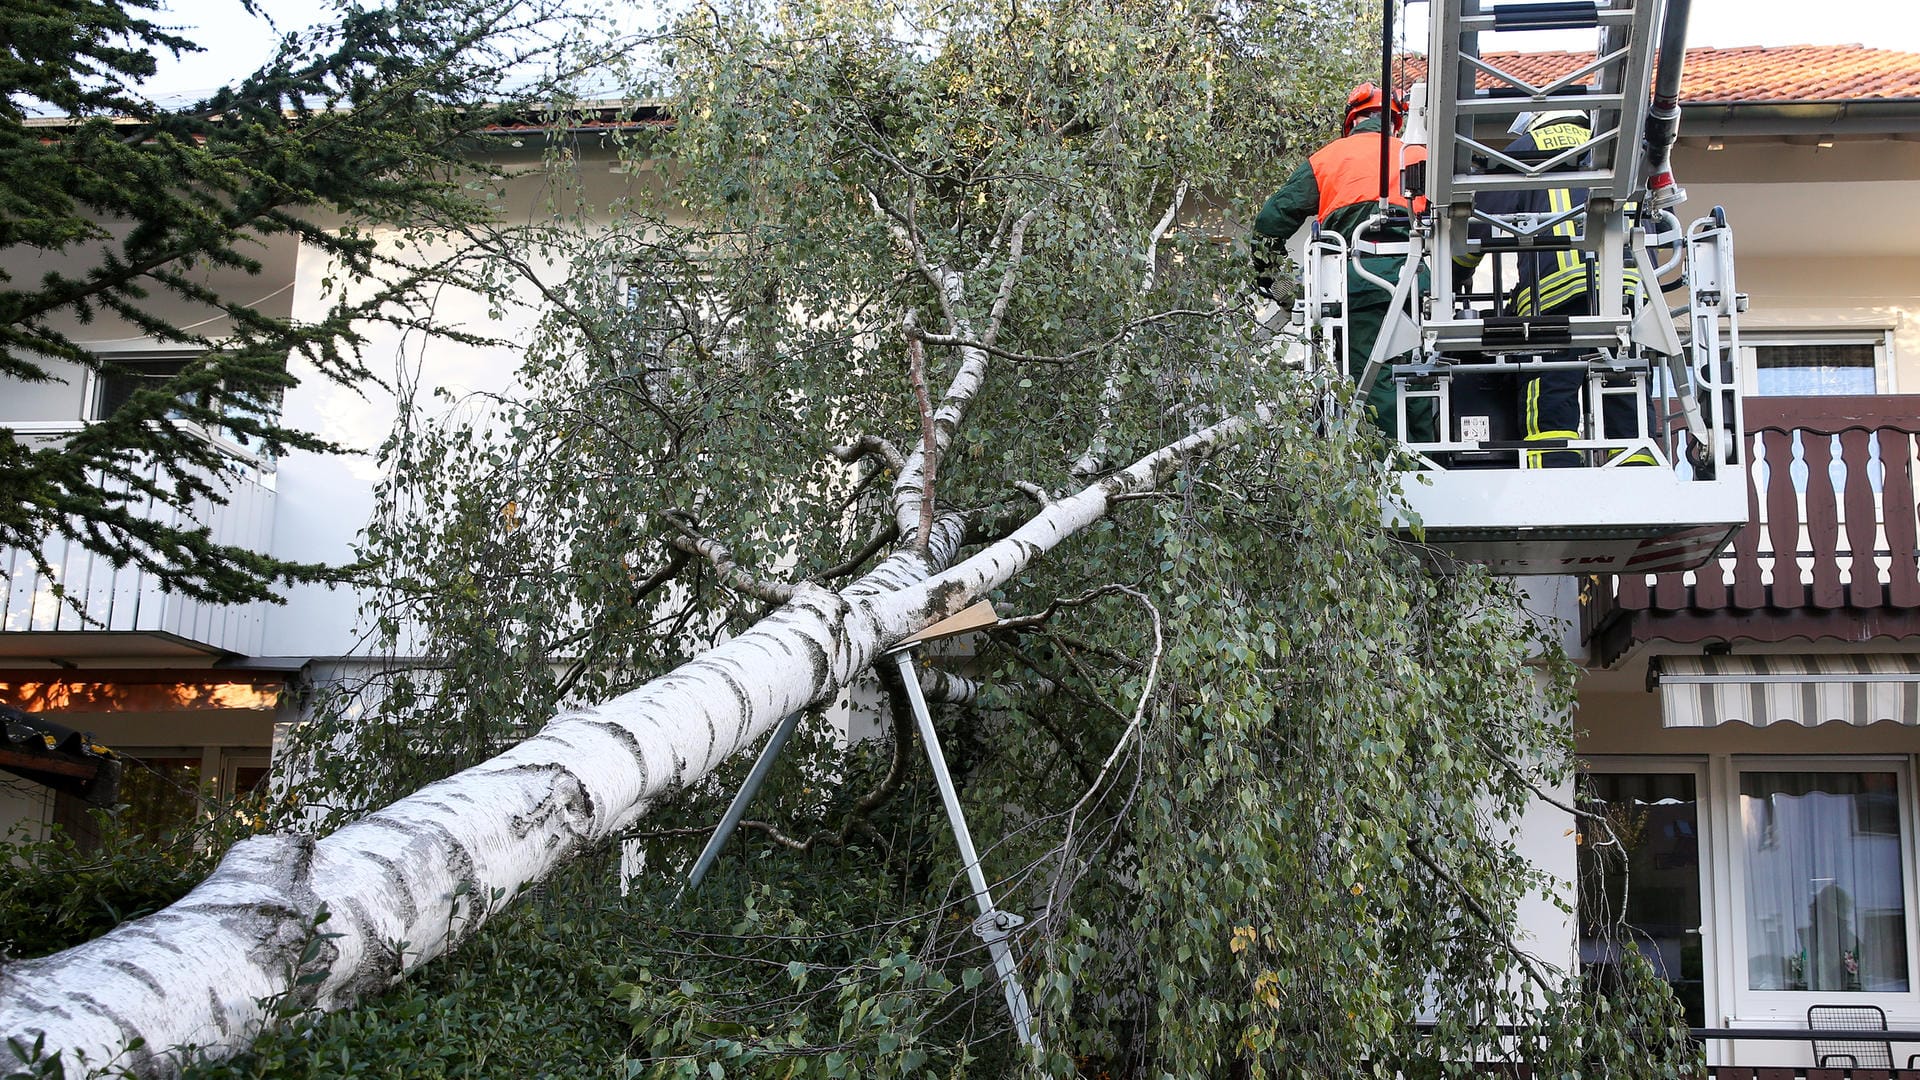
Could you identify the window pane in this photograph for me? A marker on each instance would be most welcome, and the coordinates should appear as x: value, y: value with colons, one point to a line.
x: 1826, y: 901
x: 1639, y: 860
x: 1814, y: 370
x: 161, y: 796
x: 120, y: 378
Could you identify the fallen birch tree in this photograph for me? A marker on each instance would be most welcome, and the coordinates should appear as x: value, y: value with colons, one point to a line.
x: 407, y: 883
x: 872, y: 334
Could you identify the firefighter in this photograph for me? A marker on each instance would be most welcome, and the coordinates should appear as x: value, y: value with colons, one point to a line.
x: 1555, y: 283
x: 1339, y: 186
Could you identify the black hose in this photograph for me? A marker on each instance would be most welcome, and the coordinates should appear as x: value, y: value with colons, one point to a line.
x: 1663, y: 116
x: 1386, y: 94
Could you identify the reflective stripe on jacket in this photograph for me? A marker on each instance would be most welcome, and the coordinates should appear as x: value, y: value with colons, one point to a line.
x: 1548, y: 280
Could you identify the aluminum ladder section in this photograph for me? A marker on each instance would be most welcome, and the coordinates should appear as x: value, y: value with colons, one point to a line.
x: 1602, y: 518
x: 1467, y: 131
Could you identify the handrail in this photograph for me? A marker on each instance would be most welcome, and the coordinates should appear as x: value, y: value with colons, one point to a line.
x: 1703, y: 1034
x: 1833, y: 511
x: 1804, y: 1034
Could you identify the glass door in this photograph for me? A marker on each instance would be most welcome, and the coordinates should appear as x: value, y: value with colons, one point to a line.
x: 1639, y: 866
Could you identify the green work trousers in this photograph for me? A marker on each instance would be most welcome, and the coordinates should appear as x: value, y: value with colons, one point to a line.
x: 1367, y: 306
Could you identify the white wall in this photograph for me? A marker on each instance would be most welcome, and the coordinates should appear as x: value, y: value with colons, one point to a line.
x: 62, y: 398
x: 326, y: 500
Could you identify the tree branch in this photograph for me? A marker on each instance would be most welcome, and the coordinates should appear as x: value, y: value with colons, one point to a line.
x: 1016, y: 248
x: 686, y: 538
x: 885, y: 535
x: 1033, y: 491
x: 929, y: 449
x: 1528, y: 965
x: 962, y: 341
x: 871, y: 446
x: 1159, y: 232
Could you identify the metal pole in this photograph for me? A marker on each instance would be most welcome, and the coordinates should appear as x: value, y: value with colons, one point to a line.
x: 993, y: 925
x: 738, y: 807
x: 1386, y: 99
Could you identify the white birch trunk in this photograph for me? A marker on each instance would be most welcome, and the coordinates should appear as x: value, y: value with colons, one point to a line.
x: 411, y: 881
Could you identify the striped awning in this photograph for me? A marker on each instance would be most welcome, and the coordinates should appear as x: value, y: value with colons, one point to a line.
x: 1703, y: 691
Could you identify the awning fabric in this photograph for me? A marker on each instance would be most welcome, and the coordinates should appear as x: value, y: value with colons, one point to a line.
x: 1704, y: 691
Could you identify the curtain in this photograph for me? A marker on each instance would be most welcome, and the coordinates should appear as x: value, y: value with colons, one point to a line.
x: 1826, y: 903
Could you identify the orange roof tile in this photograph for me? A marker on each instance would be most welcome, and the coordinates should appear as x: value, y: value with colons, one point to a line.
x: 1753, y: 73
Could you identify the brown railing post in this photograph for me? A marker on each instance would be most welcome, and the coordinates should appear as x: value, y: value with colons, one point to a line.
x: 1860, y: 521
x: 1748, y: 592
x: 1823, y: 520
x: 1897, y: 507
x: 1783, y: 522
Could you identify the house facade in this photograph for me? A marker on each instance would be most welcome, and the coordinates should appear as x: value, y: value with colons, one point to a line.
x: 190, y: 695
x: 1748, y: 729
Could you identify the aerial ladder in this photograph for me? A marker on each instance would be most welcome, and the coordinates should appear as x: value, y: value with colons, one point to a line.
x: 1670, y: 347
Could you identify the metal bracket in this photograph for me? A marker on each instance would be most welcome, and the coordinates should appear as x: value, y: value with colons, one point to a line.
x: 737, y: 809
x: 992, y: 925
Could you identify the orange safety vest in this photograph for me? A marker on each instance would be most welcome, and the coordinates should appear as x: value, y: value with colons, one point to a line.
x: 1347, y: 171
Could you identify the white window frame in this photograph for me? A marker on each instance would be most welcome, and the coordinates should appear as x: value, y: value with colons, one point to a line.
x: 252, y: 457
x: 1789, y: 1007
x: 96, y: 379
x: 1880, y: 338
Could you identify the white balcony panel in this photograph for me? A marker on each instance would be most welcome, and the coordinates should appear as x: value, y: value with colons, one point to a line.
x: 128, y: 601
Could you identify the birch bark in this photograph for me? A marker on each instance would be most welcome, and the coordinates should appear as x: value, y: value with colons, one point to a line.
x: 411, y: 881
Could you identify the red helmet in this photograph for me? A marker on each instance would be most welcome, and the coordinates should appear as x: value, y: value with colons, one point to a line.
x: 1368, y: 97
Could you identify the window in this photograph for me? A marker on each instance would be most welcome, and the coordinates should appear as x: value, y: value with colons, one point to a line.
x: 1755, y: 885
x: 1639, y: 863
x: 122, y: 375
x: 683, y: 325
x: 1816, y: 365
x: 159, y: 799
x: 662, y: 325
x: 1825, y: 881
x: 169, y: 794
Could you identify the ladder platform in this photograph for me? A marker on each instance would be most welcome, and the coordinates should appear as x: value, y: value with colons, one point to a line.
x: 1572, y: 521
x: 1475, y: 335
x: 1535, y: 242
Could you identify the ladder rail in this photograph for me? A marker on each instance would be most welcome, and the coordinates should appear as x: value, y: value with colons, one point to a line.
x: 1678, y: 369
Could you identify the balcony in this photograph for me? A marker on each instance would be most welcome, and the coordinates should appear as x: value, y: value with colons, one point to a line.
x: 126, y: 613
x: 1830, y: 550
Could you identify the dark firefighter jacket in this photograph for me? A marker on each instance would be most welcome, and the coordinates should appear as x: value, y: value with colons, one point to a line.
x: 1549, y: 281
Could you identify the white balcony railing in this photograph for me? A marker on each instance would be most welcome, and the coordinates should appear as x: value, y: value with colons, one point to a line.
x: 104, y: 599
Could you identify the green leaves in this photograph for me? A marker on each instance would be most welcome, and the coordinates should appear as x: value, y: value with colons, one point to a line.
x: 178, y: 228
x: 1300, y: 852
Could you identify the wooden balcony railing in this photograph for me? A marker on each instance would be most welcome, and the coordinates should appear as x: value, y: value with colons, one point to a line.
x: 1831, y: 548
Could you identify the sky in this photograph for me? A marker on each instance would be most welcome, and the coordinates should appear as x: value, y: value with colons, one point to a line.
x: 237, y: 42
x: 1884, y: 24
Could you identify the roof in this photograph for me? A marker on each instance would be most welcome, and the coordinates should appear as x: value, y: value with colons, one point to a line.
x: 1749, y: 74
